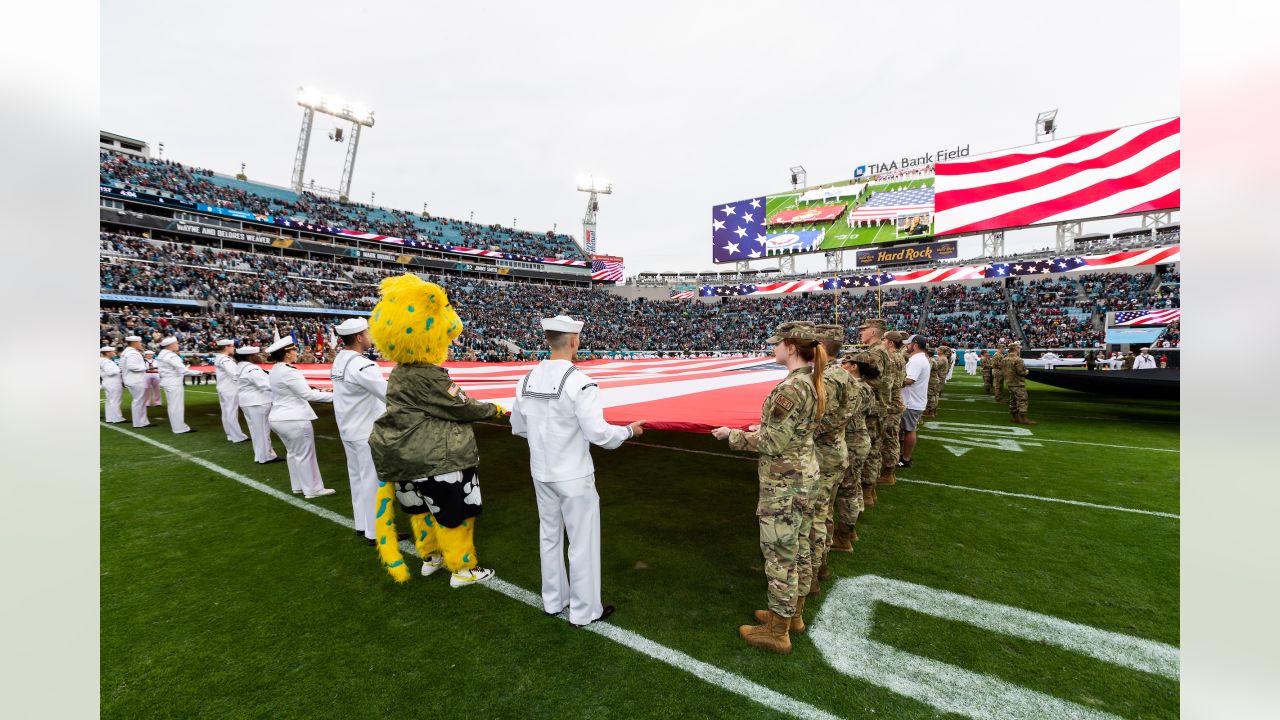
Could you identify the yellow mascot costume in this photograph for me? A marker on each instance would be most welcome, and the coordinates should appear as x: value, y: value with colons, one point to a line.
x: 423, y: 446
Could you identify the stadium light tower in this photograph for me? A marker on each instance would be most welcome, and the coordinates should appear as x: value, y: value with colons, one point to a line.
x: 1046, y: 125
x: 597, y: 187
x: 799, y: 177
x: 359, y: 116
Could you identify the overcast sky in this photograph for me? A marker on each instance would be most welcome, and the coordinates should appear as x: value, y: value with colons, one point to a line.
x: 495, y: 108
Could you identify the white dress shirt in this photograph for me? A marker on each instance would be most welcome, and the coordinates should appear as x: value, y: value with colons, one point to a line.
x: 291, y: 397
x: 134, y: 366
x: 254, y: 387
x: 225, y: 368
x: 109, y: 372
x: 171, y: 367
x: 1144, y: 362
x: 359, y: 394
x: 557, y: 408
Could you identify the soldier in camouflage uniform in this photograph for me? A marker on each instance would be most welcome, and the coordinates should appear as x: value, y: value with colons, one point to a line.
x: 936, y: 375
x: 1015, y: 378
x: 871, y: 333
x: 997, y: 372
x: 945, y: 368
x: 788, y: 474
x: 988, y: 365
x: 851, y: 495
x: 831, y: 450
x: 891, y: 429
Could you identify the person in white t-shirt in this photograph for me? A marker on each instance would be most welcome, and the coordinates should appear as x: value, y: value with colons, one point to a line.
x: 915, y: 395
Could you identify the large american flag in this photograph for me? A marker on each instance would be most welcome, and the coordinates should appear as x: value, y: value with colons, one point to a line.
x: 888, y: 205
x: 606, y: 268
x: 1148, y: 317
x: 1125, y: 171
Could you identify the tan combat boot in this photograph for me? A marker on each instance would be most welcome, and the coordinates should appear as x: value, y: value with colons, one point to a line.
x: 887, y: 477
x: 869, y: 495
x: 1016, y: 420
x: 797, y: 621
x: 1026, y: 420
x: 840, y: 540
x: 772, y: 634
x: 824, y: 572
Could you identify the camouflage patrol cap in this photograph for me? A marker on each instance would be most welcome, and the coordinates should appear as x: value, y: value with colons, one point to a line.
x: 944, y: 349
x: 859, y: 356
x: 793, y: 330
x: 896, y: 336
x: 828, y: 331
x: 873, y: 323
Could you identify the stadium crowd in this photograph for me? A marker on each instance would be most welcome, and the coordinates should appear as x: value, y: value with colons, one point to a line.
x: 501, y: 317
x: 203, y: 186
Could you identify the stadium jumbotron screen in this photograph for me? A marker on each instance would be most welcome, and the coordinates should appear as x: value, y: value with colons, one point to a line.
x: 1125, y: 171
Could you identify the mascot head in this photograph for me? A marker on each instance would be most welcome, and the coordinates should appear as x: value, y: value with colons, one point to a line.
x: 414, y: 323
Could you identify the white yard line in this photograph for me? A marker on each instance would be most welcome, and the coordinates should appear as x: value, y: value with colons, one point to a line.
x: 1044, y: 499
x: 703, y: 671
x: 1056, y: 415
x: 1125, y: 447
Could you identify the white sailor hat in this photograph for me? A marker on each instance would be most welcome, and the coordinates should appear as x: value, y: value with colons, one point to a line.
x: 106, y: 348
x: 352, y: 326
x: 133, y: 338
x: 562, y: 323
x: 165, y: 342
x: 281, y: 344
x: 248, y: 350
x: 148, y: 352
x: 225, y: 342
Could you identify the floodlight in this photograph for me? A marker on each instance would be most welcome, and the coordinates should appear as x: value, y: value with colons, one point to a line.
x: 1046, y: 124
x: 592, y: 184
x: 799, y: 176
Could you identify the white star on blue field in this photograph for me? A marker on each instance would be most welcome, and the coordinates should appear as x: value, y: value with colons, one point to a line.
x: 737, y: 230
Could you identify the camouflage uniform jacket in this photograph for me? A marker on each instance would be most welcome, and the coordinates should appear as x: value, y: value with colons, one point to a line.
x: 788, y: 467
x: 988, y: 363
x: 829, y: 431
x: 881, y: 386
x: 898, y: 374
x: 937, y: 373
x: 1015, y: 371
x: 426, y: 430
x: 861, y: 399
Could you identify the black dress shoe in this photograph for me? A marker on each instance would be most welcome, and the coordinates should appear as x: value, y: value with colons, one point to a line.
x: 185, y: 432
x: 272, y: 460
x: 371, y: 541
x: 554, y: 614
x: 606, y: 612
x: 360, y: 533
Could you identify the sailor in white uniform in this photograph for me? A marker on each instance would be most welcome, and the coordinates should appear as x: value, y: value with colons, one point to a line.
x: 135, y: 379
x: 557, y: 408
x: 112, y: 384
x: 228, y: 391
x: 291, y: 417
x: 359, y: 398
x: 172, y: 370
x: 253, y: 393
x: 971, y: 361
x: 1144, y: 360
x: 153, y: 378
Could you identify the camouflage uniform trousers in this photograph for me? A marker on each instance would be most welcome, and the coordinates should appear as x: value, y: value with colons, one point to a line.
x: 891, y: 441
x: 832, y: 471
x: 781, y: 521
x: 848, y: 504
x: 1017, y: 399
x: 805, y: 504
x: 987, y: 381
x: 931, y: 401
x: 998, y: 381
x: 871, y: 467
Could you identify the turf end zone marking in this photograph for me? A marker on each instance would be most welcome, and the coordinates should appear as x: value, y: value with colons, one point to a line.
x: 842, y: 633
x: 706, y: 672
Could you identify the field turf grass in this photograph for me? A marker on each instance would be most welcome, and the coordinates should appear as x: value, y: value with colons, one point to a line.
x: 221, y: 601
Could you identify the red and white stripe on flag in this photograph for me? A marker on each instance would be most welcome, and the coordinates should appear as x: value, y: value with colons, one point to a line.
x: 684, y: 394
x: 1124, y: 171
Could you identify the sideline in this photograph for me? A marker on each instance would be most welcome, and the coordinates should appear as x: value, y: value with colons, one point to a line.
x: 706, y: 672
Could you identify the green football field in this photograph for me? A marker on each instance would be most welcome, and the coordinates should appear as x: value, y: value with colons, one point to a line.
x: 838, y: 233
x: 1012, y: 572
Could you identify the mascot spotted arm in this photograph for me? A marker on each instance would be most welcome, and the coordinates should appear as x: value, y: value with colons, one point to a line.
x: 424, y: 446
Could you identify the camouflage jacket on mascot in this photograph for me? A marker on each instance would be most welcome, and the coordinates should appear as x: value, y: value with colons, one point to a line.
x: 423, y: 446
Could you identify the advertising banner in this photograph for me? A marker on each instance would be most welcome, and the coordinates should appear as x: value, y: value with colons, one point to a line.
x: 947, y: 250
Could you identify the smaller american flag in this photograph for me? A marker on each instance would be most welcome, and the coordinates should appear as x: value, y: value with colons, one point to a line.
x: 606, y: 268
x: 1148, y: 317
x: 683, y: 294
